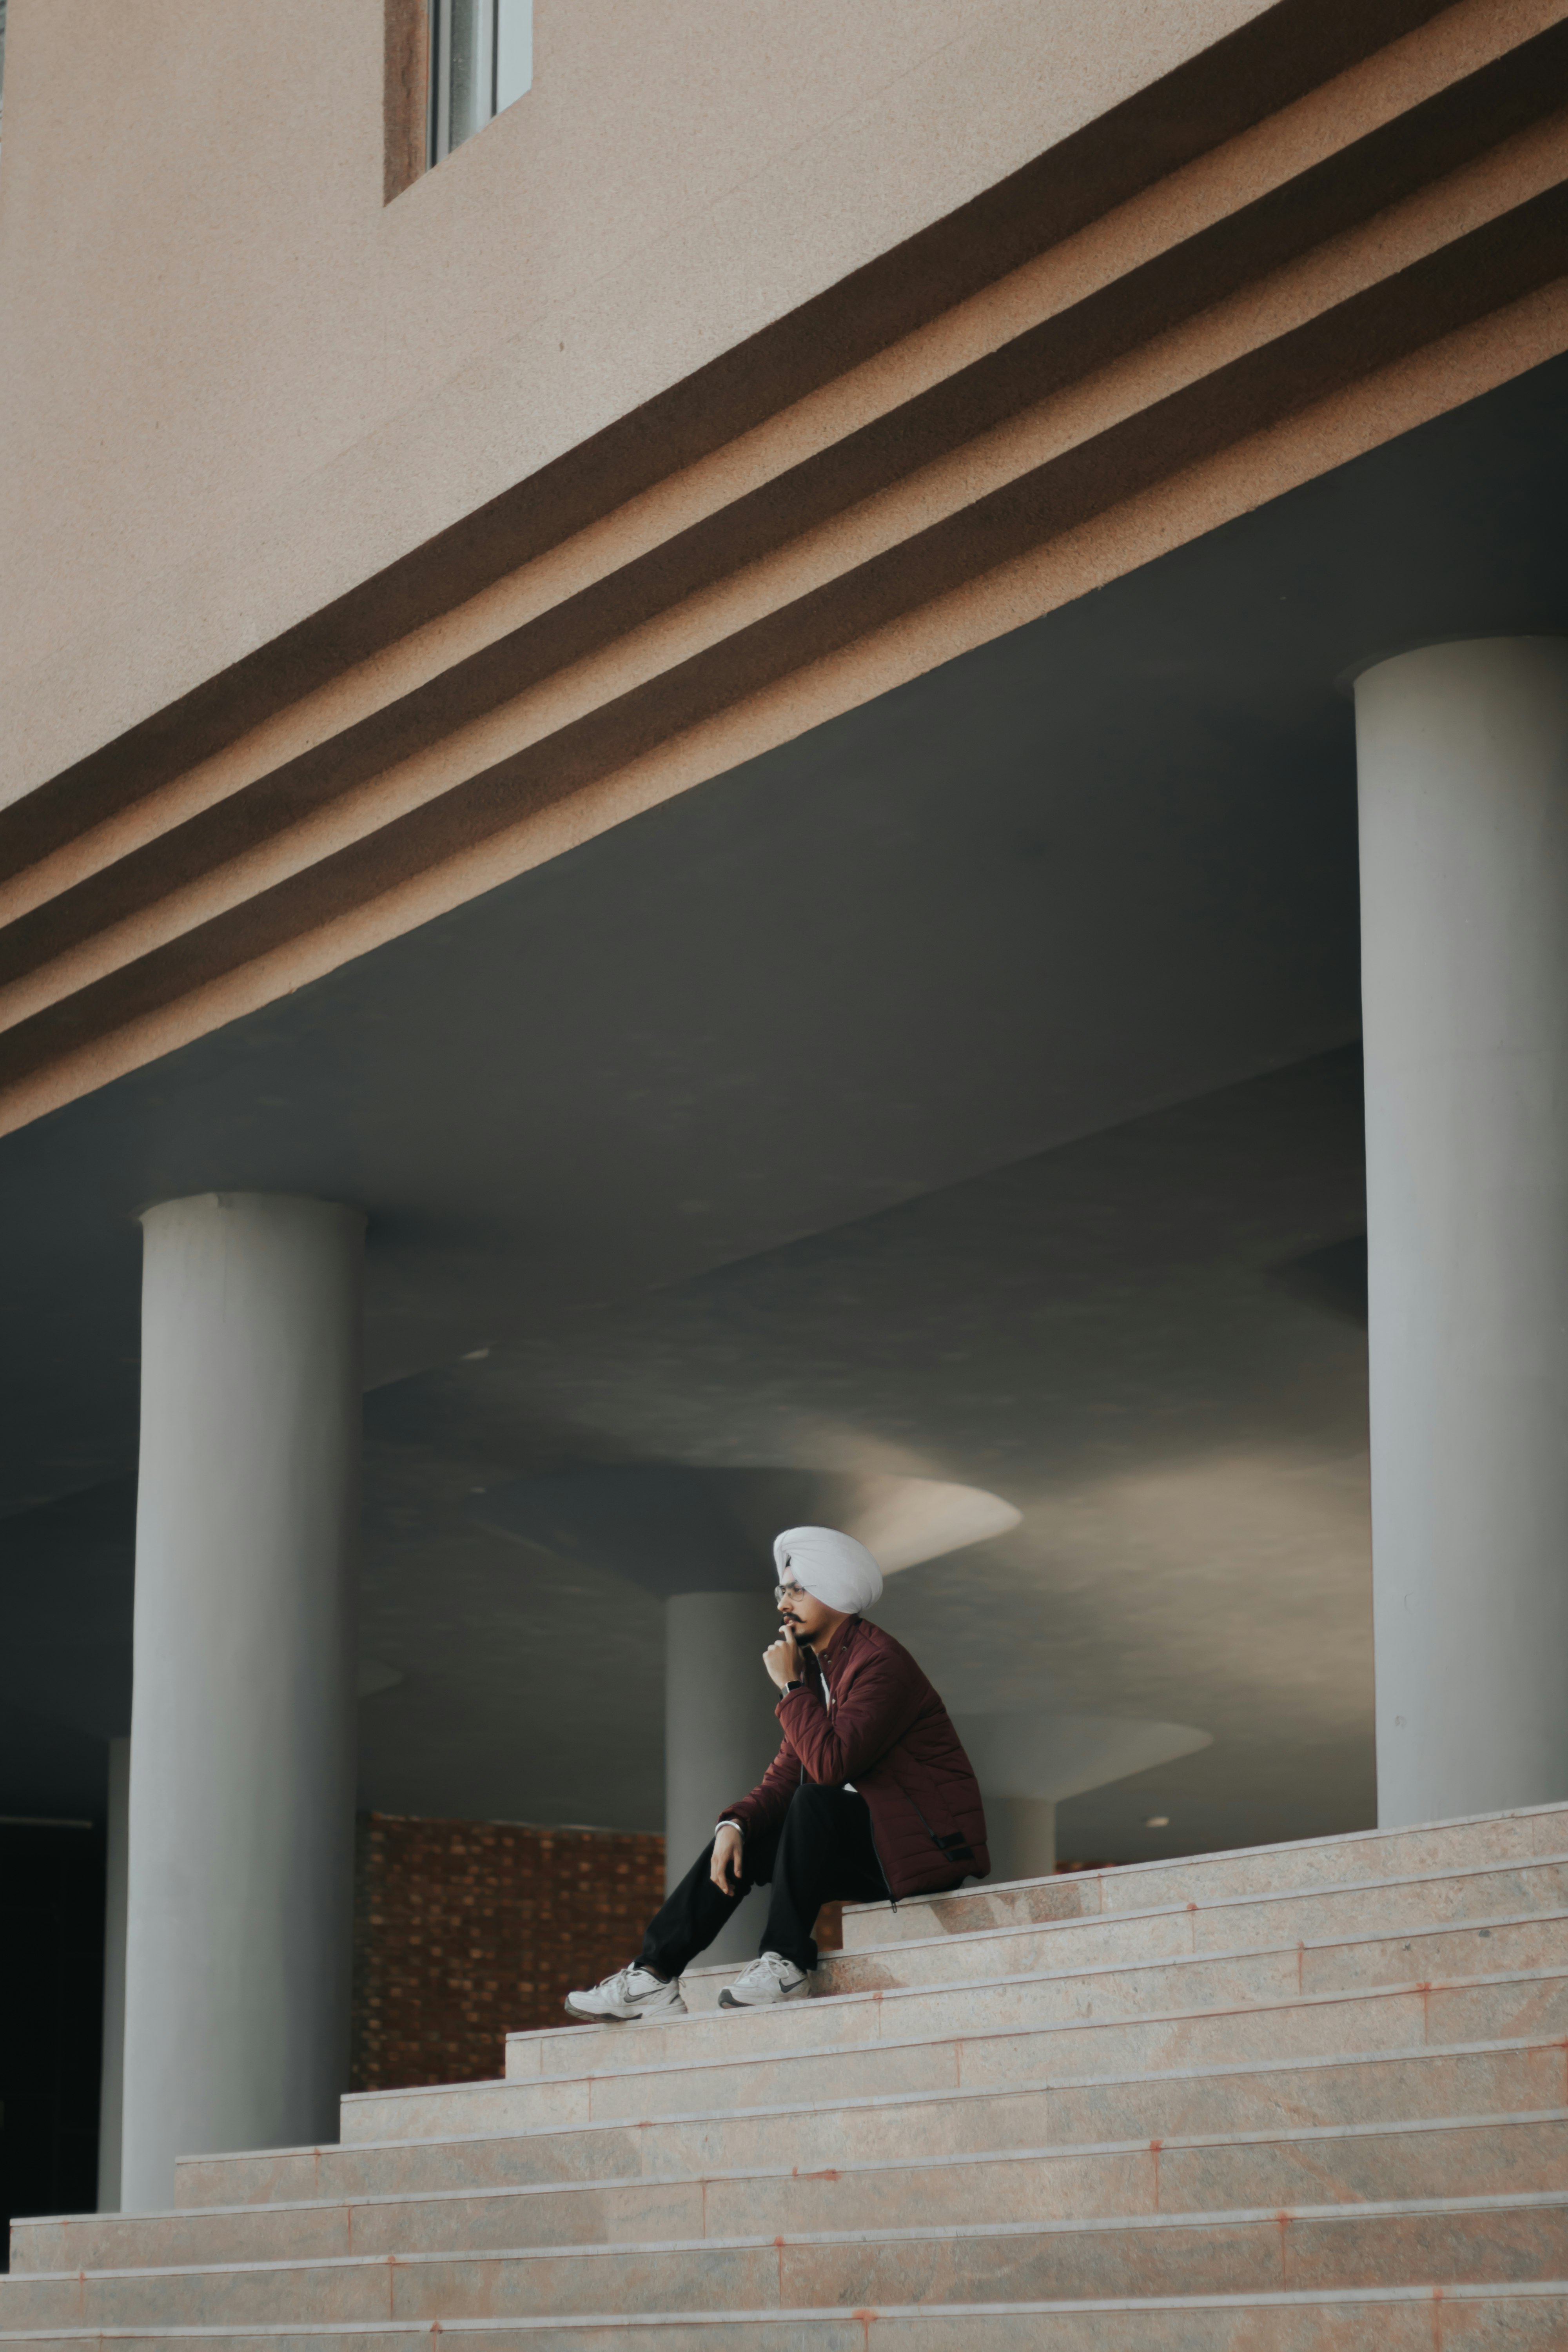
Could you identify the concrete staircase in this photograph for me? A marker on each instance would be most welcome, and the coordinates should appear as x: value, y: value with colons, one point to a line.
x: 1303, y: 2097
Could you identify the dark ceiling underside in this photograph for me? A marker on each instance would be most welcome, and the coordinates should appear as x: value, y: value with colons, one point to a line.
x: 1100, y: 868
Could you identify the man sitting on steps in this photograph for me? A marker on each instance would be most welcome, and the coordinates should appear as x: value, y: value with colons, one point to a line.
x: 870, y: 1796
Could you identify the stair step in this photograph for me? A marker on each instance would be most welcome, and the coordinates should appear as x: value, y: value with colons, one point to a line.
x: 1487, y: 2078
x: 1525, y: 2316
x: 1122, y: 1987
x: 990, y: 2038
x: 1358, y: 1857
x: 1366, y: 2163
x: 1344, y: 1936
x: 1387, y: 1908
x: 1476, y: 2240
x: 1390, y: 1909
x: 1293, y: 2099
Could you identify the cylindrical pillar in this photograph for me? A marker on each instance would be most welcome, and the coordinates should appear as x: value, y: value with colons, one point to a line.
x: 721, y: 1732
x: 111, y: 2083
x: 1020, y: 1837
x: 242, y: 1756
x: 1463, y: 758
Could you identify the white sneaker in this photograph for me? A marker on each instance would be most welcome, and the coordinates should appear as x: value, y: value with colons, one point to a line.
x: 768, y: 1980
x: 630, y: 1994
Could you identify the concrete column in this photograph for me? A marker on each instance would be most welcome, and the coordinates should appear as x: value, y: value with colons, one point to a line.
x: 1020, y: 1837
x: 1463, y: 756
x: 111, y: 2079
x: 721, y: 1733
x: 242, y: 1756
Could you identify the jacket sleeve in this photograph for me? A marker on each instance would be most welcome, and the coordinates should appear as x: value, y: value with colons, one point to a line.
x: 769, y: 1801
x: 881, y: 1702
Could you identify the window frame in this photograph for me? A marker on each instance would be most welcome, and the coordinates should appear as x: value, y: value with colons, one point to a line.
x: 503, y: 67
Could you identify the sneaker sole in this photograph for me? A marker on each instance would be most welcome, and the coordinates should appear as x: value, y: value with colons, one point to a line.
x: 612, y: 2017
x: 796, y: 1993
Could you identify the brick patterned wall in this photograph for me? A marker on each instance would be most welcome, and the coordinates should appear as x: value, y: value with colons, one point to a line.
x: 466, y: 1931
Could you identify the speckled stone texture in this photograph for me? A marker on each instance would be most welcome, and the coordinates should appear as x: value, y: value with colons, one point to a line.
x: 1366, y: 1856
x: 1299, y: 2101
x: 1510, y: 2319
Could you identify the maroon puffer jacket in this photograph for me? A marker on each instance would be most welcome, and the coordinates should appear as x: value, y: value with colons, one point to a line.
x: 872, y: 1718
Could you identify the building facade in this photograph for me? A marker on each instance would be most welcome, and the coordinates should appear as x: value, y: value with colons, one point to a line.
x: 731, y: 729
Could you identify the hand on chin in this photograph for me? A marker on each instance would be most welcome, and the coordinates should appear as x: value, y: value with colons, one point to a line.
x: 783, y: 1661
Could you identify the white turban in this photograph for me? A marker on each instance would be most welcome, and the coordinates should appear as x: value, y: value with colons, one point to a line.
x: 834, y: 1567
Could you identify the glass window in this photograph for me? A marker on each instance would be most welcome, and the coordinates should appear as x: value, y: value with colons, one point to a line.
x: 482, y: 59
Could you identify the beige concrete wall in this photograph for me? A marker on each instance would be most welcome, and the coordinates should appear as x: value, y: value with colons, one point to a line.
x: 1250, y: 271
x: 233, y: 383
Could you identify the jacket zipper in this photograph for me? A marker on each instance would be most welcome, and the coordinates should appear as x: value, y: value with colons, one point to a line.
x: 832, y: 1702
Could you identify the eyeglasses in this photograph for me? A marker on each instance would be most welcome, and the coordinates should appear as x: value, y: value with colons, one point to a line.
x: 783, y: 1593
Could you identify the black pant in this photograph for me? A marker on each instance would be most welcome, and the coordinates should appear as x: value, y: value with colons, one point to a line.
x: 821, y: 1853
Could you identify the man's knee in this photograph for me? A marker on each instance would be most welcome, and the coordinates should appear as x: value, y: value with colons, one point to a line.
x: 815, y: 1802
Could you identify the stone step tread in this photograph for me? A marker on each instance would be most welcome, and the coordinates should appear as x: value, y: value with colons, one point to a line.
x: 1003, y: 2051
x: 773, y: 2054
x: 1042, y: 1935
x: 849, y: 2021
x: 1522, y: 2074
x: 1133, y: 1877
x: 1073, y: 2326
x: 1544, y: 1923
x: 1453, y: 2241
x: 1063, y: 2150
x: 843, y: 2019
x: 1083, y: 1971
x: 1362, y: 1890
x: 1190, y: 2174
x: 1416, y: 2053
x: 870, y: 1948
x: 1382, y: 2209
